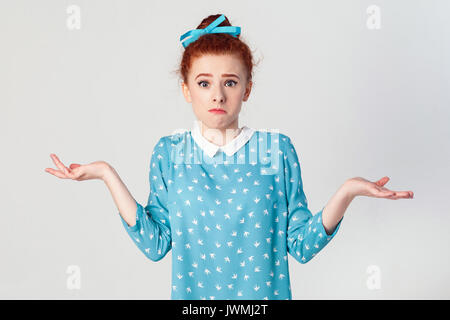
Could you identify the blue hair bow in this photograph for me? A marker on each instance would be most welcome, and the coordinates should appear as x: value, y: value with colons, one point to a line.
x: 211, y: 28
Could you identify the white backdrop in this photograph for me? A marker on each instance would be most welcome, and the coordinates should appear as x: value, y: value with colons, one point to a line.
x: 361, y: 87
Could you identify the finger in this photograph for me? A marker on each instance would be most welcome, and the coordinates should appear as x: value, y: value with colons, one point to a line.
x: 57, y: 173
x: 382, y: 181
x: 59, y: 164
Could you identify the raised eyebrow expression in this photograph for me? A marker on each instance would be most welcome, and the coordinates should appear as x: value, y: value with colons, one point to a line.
x: 223, y: 75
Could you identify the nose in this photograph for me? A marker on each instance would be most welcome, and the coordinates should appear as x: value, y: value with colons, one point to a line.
x: 218, y: 96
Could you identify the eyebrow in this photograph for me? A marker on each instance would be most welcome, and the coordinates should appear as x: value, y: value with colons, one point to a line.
x: 223, y: 75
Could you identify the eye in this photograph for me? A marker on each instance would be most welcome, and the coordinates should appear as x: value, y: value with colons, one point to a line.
x: 200, y: 84
x: 232, y: 81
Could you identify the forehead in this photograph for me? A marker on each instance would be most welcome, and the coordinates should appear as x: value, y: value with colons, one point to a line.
x: 217, y: 64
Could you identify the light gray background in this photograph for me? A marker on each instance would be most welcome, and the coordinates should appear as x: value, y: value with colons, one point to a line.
x: 355, y: 101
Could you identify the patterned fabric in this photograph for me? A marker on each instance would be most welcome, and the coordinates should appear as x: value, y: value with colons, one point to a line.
x: 229, y: 220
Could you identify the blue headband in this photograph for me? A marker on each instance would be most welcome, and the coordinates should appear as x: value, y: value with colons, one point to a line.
x: 212, y: 28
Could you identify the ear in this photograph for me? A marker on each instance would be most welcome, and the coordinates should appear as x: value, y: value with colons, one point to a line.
x: 186, y: 92
x: 248, y: 89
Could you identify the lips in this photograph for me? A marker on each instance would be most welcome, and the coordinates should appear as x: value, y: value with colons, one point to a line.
x: 217, y: 111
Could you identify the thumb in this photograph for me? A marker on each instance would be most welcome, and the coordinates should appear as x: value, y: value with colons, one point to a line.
x: 382, y: 181
x: 74, y: 165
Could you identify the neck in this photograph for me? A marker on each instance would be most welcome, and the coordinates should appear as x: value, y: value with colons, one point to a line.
x: 220, y: 136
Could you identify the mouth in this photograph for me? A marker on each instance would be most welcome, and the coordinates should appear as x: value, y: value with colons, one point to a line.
x: 217, y: 111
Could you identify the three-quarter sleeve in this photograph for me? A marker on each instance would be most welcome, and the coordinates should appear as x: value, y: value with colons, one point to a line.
x: 306, y: 235
x: 152, y: 233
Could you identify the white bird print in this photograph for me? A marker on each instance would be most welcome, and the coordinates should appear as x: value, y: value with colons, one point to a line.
x: 203, y: 256
x: 178, y: 232
x: 188, y: 290
x: 258, y: 269
x: 227, y: 216
x: 256, y: 288
x: 207, y: 187
x: 190, y: 188
x: 246, y: 277
x: 206, y: 228
x: 234, y: 276
x: 239, y: 250
x: 211, y: 212
x: 230, y: 286
x: 266, y: 212
x: 294, y: 218
x: 227, y: 259
x: 281, y: 276
x: 271, y: 274
x: 202, y: 213
x: 180, y: 258
x: 179, y: 276
x: 234, y: 234
x: 200, y: 284
x: 207, y: 271
x: 267, y: 196
x: 240, y: 180
x: 199, y: 198
x: 195, y: 264
x: 187, y: 246
x: 179, y: 214
x: 191, y: 274
x: 250, y: 214
x: 233, y: 191
x: 147, y: 250
x: 225, y: 177
x: 244, y: 191
x: 219, y: 269
x: 242, y: 220
x: 268, y: 283
x: 174, y: 288
x: 218, y: 287
x: 218, y: 227
x: 256, y: 200
x: 280, y: 233
x: 190, y: 230
x: 239, y: 207
x: 275, y: 292
x: 218, y: 202
x: 239, y: 293
x: 187, y: 202
x: 203, y: 174
x: 212, y: 255
x: 243, y: 263
x: 256, y: 183
x: 218, y: 245
x: 195, y: 221
x: 200, y: 242
x: 195, y: 180
x: 251, y: 258
x: 306, y: 247
x: 277, y: 263
x: 266, y: 256
x: 248, y: 174
x: 218, y: 187
x: 258, y: 225
x: 246, y: 233
x: 230, y: 243
x: 256, y: 244
x: 316, y: 246
x: 230, y: 200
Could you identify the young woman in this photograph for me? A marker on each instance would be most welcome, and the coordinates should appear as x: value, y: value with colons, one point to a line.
x: 227, y: 200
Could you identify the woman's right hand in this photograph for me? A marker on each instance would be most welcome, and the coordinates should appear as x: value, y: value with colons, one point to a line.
x: 94, y: 170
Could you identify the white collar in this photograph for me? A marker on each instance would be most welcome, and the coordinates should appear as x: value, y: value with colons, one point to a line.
x: 230, y: 148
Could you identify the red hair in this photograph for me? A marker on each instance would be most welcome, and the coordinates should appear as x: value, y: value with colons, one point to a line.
x: 218, y: 44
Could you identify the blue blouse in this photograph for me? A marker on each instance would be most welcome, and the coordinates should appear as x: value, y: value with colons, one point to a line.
x: 229, y: 220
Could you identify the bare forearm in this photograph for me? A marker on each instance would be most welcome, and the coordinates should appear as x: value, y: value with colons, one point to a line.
x: 335, y: 208
x: 122, y: 198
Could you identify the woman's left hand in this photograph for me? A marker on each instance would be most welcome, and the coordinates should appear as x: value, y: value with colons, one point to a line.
x: 361, y: 187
